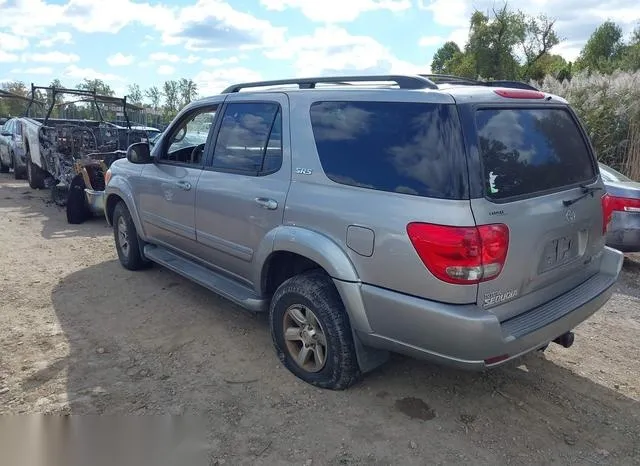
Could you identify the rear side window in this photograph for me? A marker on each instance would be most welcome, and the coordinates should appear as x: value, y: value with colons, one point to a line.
x: 408, y: 148
x: 528, y: 151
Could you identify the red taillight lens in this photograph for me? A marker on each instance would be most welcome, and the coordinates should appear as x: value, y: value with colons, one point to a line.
x: 461, y: 255
x: 519, y: 94
x: 611, y: 204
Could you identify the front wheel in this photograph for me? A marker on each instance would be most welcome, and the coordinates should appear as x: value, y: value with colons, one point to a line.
x: 127, y: 240
x: 311, y: 331
x: 35, y: 174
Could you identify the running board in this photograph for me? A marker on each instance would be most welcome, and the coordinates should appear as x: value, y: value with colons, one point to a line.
x: 219, y: 284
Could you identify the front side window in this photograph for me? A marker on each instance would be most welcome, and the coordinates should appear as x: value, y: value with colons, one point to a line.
x: 186, y: 142
x: 250, y: 138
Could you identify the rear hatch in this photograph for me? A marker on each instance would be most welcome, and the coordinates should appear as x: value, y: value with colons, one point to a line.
x: 536, y: 176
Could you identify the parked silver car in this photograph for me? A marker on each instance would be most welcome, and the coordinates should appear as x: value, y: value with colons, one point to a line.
x: 441, y: 218
x: 12, y: 149
x: 624, y: 205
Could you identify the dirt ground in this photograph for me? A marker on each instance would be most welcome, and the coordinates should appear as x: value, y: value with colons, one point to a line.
x: 79, y: 334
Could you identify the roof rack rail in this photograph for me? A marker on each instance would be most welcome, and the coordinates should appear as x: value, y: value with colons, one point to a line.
x: 451, y: 79
x: 403, y: 81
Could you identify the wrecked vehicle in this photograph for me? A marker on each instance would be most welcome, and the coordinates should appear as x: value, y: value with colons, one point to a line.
x: 71, y: 156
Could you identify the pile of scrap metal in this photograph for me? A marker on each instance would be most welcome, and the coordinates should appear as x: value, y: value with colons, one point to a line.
x: 71, y: 156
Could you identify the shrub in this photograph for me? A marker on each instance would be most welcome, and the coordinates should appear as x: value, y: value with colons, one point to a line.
x: 609, y: 106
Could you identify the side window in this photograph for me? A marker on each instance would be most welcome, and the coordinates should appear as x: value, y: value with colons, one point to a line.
x: 185, y: 144
x: 250, y: 138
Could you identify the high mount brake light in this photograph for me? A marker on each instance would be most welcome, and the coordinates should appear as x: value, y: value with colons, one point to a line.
x: 519, y: 94
x: 461, y: 255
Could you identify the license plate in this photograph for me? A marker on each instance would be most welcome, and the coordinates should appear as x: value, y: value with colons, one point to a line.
x: 559, y: 251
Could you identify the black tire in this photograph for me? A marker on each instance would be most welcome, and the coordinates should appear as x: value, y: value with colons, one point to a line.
x: 18, y: 173
x: 4, y: 168
x: 35, y: 174
x: 315, y: 291
x: 77, y: 208
x: 130, y: 258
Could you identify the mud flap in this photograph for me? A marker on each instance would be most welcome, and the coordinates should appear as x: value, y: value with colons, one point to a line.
x: 368, y: 358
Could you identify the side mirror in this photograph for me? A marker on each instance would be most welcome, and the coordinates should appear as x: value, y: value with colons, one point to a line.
x: 139, y: 153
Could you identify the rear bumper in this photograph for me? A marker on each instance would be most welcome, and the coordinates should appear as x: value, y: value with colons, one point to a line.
x: 95, y: 200
x: 623, y: 232
x: 466, y: 336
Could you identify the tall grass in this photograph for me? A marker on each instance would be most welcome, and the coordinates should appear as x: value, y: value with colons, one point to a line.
x: 609, y: 106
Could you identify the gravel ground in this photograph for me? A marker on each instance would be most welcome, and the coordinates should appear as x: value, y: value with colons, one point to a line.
x: 79, y: 334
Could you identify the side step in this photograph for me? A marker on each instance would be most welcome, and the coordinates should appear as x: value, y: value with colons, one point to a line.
x: 219, y: 284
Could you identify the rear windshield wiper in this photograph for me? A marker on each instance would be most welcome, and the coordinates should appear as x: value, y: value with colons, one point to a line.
x: 586, y: 190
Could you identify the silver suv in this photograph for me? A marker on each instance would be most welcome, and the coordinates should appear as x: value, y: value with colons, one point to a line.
x: 448, y: 219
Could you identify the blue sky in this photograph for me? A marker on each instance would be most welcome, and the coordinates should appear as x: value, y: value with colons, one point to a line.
x: 217, y: 42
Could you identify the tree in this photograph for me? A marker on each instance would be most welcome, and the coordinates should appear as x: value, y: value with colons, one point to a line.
x: 11, y: 106
x: 135, y: 94
x: 443, y: 56
x: 155, y: 96
x: 188, y: 90
x: 603, y: 49
x: 539, y: 38
x: 502, y: 44
x: 171, y: 96
x: 98, y: 85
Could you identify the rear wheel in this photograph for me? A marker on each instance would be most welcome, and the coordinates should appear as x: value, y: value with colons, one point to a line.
x: 77, y: 207
x: 311, y: 331
x: 127, y: 239
x: 3, y: 168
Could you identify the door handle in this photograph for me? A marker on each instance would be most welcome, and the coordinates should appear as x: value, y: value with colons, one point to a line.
x: 266, y: 203
x: 184, y: 185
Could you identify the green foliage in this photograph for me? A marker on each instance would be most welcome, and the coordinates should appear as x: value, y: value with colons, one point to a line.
x: 135, y: 94
x: 506, y: 45
x: 608, y: 105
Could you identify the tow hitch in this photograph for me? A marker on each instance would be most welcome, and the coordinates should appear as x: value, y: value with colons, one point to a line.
x: 565, y: 340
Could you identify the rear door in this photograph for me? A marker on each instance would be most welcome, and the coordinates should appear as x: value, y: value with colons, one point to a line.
x: 241, y: 193
x: 536, y: 166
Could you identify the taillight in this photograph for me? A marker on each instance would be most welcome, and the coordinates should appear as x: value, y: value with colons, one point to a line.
x: 519, y: 94
x: 611, y: 204
x: 461, y: 255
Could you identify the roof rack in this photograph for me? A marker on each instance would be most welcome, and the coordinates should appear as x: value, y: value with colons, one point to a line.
x: 403, y: 81
x: 451, y: 79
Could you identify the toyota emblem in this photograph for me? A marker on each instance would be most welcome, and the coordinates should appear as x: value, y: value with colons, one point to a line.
x: 570, y: 215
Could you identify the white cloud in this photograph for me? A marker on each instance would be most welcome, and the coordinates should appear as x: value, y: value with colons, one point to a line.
x: 220, y: 61
x: 214, y: 82
x: 191, y: 59
x: 6, y: 57
x: 164, y: 57
x: 332, y: 50
x: 37, y: 70
x: 333, y: 11
x: 216, y: 25
x: 74, y: 71
x: 51, y: 57
x: 60, y: 37
x: 165, y: 69
x: 455, y: 13
x: 120, y: 59
x: 430, y: 41
x: 12, y: 42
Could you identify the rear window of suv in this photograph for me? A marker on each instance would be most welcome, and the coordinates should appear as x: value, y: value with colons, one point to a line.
x: 408, y: 148
x: 528, y: 151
